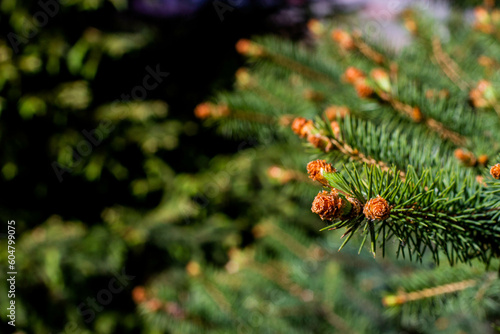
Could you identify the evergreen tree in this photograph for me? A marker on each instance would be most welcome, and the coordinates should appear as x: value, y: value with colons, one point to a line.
x: 406, y: 155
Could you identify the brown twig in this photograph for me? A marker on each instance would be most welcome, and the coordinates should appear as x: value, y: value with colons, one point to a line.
x: 366, y: 50
x: 404, y: 297
x: 300, y: 68
x: 448, y: 66
x: 431, y: 123
x: 358, y: 156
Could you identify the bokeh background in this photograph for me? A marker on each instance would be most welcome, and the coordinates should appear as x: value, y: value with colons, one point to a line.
x: 212, y: 229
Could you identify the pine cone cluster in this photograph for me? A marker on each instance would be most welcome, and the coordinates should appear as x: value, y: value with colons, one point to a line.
x: 469, y: 159
x: 332, y: 205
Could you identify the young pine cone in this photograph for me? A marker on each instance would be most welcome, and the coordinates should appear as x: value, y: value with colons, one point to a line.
x: 343, y: 39
x: 319, y: 141
x: 248, y: 48
x: 363, y: 89
x: 467, y: 158
x: 495, y: 171
x: 302, y: 126
x: 333, y: 112
x: 203, y: 110
x: 317, y: 167
x: 483, y: 159
x: 328, y: 205
x: 352, y: 74
x: 377, y: 208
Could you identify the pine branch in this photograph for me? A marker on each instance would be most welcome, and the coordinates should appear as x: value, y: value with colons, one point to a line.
x: 448, y: 66
x: 405, y: 297
x: 287, y: 58
x: 425, y: 213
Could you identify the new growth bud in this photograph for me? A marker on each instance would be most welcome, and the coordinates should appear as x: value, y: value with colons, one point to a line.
x: 316, y: 168
x: 328, y: 206
x: 249, y: 48
x: 483, y: 95
x: 353, y: 74
x: 302, y: 126
x: 343, y: 39
x: 206, y: 109
x: 377, y: 208
x: 332, y: 112
x: 381, y: 78
x: 467, y: 158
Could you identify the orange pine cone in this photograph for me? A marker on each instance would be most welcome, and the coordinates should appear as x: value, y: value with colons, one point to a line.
x: 243, y: 46
x: 302, y: 126
x: 336, y: 129
x: 316, y: 168
x: 343, y: 38
x: 203, y: 110
x: 483, y: 159
x: 465, y: 157
x: 328, y: 205
x: 248, y: 48
x: 353, y: 74
x: 416, y: 115
x: 320, y: 142
x: 495, y: 171
x: 460, y: 154
x: 333, y: 111
x: 377, y: 208
x: 139, y: 294
x: 363, y: 89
